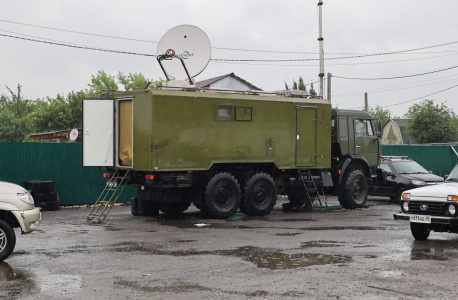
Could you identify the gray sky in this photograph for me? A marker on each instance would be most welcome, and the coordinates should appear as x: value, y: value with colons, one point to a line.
x: 350, y: 28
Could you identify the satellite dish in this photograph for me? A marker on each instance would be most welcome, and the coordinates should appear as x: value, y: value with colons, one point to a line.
x: 191, y: 44
x: 73, y: 134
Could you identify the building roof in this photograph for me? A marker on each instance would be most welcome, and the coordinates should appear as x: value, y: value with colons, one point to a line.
x: 402, y: 124
x: 208, y: 82
x: 54, y: 134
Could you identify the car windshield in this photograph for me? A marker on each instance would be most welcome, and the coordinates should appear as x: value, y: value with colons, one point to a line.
x: 453, y: 175
x: 408, y: 167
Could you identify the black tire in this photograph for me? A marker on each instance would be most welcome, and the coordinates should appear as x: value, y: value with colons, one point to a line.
x: 148, y: 207
x: 39, y: 186
x: 259, y: 195
x: 175, y: 208
x: 419, y: 231
x: 134, y: 206
x: 354, y: 194
x: 297, y: 202
x: 45, y: 197
x: 398, y: 195
x: 48, y: 206
x: 174, y: 201
x: 7, y: 240
x: 222, y: 196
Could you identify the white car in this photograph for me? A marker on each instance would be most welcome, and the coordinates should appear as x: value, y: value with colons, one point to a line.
x: 432, y: 208
x: 17, y: 210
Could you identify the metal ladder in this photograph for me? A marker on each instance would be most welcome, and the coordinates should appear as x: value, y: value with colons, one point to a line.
x: 107, y: 199
x: 312, y: 192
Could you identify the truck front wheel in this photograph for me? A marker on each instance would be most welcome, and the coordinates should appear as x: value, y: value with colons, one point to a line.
x: 7, y: 240
x: 222, y: 196
x: 260, y: 195
x: 354, y: 194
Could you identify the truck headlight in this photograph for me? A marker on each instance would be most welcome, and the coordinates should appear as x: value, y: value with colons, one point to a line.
x: 26, y: 198
x: 418, y: 182
x: 452, y: 209
x: 405, y: 206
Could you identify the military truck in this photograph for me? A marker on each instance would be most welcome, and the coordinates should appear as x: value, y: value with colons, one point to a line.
x: 225, y: 150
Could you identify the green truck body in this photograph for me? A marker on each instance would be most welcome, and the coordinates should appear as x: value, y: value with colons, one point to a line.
x: 221, y: 150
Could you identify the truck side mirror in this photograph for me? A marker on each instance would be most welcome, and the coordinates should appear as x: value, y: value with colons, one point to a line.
x: 389, y: 174
x: 379, y: 131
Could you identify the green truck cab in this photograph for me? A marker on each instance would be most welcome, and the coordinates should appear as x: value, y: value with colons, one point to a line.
x: 226, y: 150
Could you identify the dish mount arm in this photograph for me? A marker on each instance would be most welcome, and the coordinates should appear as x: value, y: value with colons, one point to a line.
x: 160, y: 58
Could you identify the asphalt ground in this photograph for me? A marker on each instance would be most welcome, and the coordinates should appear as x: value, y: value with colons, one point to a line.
x: 330, y: 254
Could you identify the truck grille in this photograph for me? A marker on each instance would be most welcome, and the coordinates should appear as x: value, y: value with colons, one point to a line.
x: 433, y: 208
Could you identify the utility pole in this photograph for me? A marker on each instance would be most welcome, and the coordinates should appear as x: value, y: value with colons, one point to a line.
x: 320, y: 39
x: 329, y: 87
x: 366, y: 105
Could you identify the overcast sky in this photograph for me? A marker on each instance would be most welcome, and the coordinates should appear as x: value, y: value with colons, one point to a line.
x: 351, y: 27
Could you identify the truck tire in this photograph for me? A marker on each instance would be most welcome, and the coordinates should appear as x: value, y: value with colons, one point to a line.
x: 7, y: 240
x: 419, y: 231
x: 39, y: 186
x: 175, y: 208
x: 134, y: 206
x: 297, y: 202
x: 259, y: 195
x: 222, y: 196
x: 354, y: 194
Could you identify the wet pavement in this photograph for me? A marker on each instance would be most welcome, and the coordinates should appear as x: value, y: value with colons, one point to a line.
x: 332, y: 254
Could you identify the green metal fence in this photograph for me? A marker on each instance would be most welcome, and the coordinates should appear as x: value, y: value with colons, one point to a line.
x: 59, y: 162
x: 437, y: 158
x: 77, y: 185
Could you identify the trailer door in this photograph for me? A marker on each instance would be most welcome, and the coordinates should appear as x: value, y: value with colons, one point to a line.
x: 306, y: 126
x: 98, y: 139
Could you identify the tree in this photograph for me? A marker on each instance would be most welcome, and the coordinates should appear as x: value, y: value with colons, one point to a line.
x: 103, y: 81
x: 312, y: 92
x: 383, y: 115
x: 430, y: 123
x: 299, y: 85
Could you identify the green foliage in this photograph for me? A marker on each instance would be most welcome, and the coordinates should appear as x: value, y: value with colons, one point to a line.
x: 299, y: 85
x: 103, y: 81
x: 382, y: 114
x: 312, y: 92
x: 430, y: 123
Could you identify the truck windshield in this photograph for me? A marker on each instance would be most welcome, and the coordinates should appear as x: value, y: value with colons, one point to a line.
x: 408, y: 167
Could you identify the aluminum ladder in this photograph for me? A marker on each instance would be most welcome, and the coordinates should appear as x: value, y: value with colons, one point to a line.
x: 109, y: 196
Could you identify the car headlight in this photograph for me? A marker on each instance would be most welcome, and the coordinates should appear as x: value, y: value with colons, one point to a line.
x: 405, y: 206
x: 418, y: 182
x: 452, y: 209
x: 405, y: 195
x: 452, y: 198
x: 26, y: 198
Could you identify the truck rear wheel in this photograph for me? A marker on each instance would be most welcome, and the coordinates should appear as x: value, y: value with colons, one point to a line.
x: 419, y: 231
x: 222, y: 196
x: 260, y: 195
x: 174, y: 202
x: 354, y: 194
x: 7, y: 240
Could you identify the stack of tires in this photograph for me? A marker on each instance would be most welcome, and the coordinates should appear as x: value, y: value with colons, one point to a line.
x: 43, y: 194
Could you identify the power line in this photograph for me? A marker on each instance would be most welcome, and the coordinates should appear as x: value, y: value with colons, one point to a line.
x: 396, y: 77
x: 232, y: 49
x: 422, y: 96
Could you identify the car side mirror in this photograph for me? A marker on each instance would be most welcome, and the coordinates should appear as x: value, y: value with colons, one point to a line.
x: 430, y: 172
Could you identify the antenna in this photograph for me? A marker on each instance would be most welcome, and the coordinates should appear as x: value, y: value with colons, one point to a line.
x: 73, y: 134
x: 320, y: 39
x: 184, y: 51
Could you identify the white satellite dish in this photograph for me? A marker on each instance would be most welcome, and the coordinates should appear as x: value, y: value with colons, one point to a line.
x: 191, y: 44
x: 73, y: 134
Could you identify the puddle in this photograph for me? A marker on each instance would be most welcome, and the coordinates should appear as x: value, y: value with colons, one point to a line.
x: 288, y: 234
x: 343, y: 228
x: 15, y: 283
x: 370, y: 256
x: 176, y: 288
x: 321, y: 244
x: 439, y: 250
x: 387, y: 274
x: 261, y: 257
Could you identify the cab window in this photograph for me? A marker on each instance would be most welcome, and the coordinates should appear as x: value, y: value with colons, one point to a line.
x: 363, y: 128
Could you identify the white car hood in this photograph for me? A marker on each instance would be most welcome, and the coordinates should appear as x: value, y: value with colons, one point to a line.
x: 436, y: 191
x: 11, y: 188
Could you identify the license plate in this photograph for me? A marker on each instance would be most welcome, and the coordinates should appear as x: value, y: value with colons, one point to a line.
x: 420, y: 219
x: 112, y: 184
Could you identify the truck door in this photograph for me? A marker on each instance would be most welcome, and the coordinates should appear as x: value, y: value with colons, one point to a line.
x: 366, y: 141
x: 98, y: 139
x: 306, y: 126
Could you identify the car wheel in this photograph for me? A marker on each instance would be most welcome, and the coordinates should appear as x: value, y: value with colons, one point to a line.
x: 222, y: 196
x: 260, y: 195
x: 419, y: 231
x: 399, y: 194
x: 7, y: 240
